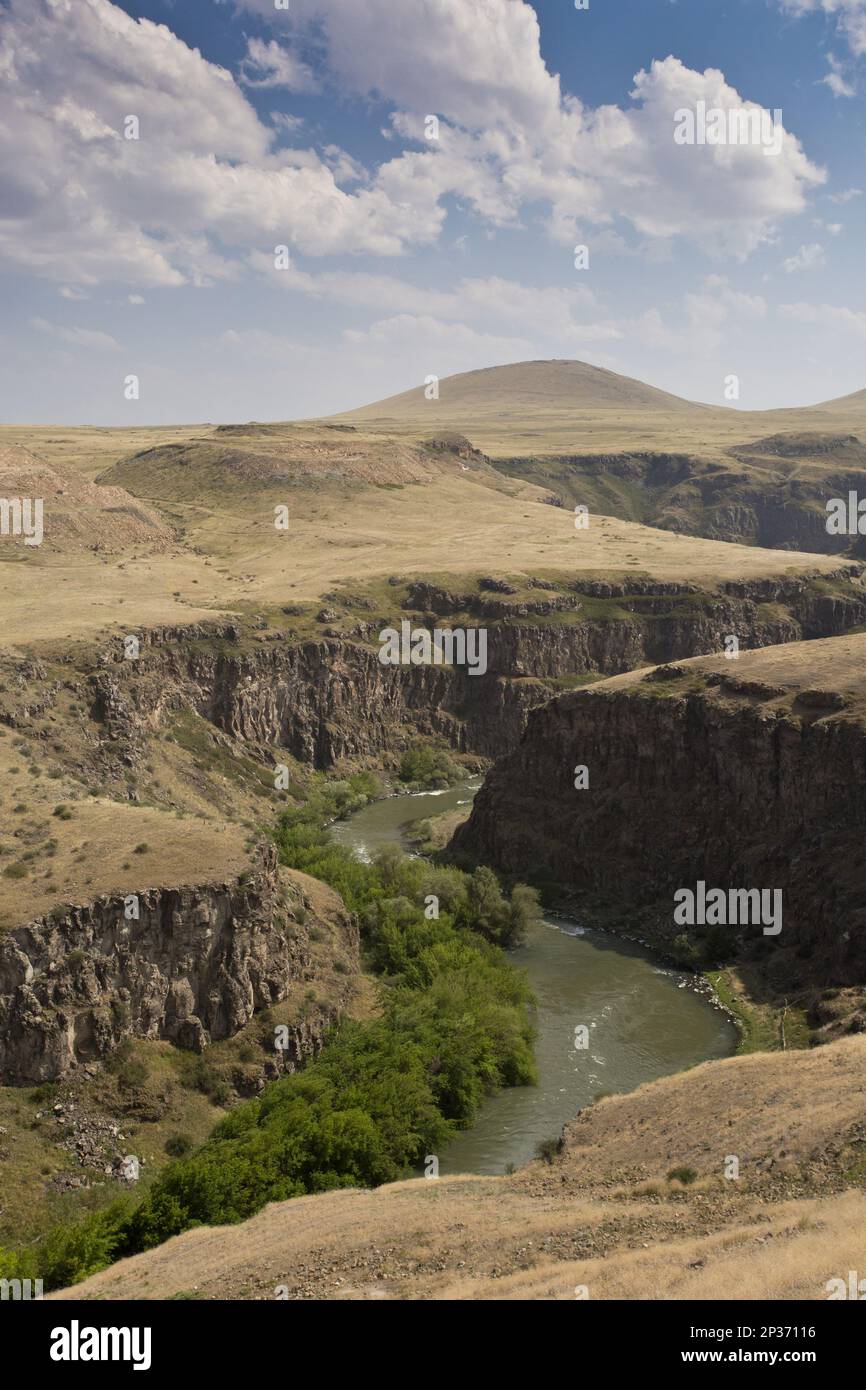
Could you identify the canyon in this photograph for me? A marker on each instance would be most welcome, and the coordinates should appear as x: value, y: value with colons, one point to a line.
x: 697, y: 648
x: 734, y: 772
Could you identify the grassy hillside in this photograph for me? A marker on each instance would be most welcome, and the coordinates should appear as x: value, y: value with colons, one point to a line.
x: 636, y: 1205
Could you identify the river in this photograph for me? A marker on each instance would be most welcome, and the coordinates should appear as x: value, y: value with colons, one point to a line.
x: 643, y: 1019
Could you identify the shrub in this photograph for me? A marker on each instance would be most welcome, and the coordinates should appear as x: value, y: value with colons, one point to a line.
x: 178, y: 1145
x: 548, y: 1149
x: 423, y: 766
x: 382, y: 1093
x: 131, y: 1075
x: 683, y: 1175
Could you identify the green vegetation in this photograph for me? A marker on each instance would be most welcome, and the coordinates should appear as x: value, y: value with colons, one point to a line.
x: 454, y: 1025
x: 762, y: 1027
x: 684, y: 1175
x: 428, y: 769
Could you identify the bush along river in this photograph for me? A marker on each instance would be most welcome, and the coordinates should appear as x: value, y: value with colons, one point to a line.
x: 641, y: 1019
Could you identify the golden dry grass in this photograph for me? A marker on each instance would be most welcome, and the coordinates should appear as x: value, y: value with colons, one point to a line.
x: 449, y: 525
x: 55, y: 859
x: 829, y: 664
x: 564, y: 407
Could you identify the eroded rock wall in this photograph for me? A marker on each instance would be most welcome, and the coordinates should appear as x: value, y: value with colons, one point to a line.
x: 193, y: 968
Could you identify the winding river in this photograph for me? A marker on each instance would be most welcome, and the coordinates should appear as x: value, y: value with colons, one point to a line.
x: 643, y: 1020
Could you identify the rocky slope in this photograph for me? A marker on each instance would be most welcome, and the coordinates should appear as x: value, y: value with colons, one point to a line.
x: 747, y: 773
x: 603, y: 1220
x: 192, y: 967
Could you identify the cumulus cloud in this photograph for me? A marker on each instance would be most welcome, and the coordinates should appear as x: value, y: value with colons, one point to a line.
x: 510, y: 137
x: 273, y: 65
x: 207, y: 183
x: 478, y: 61
x: 84, y: 204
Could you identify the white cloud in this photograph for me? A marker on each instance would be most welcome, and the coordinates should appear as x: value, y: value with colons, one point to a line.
x: 478, y: 63
x: 205, y: 185
x: 424, y: 345
x: 567, y: 317
x: 827, y: 316
x: 83, y: 204
x: 836, y: 79
x: 850, y: 16
x: 273, y: 65
x: 846, y: 196
x: 510, y: 138
x: 809, y: 257
x: 716, y: 311
x: 78, y: 337
x: 839, y: 85
x: 259, y: 342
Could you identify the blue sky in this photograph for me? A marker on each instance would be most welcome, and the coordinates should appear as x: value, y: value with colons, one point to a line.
x: 410, y: 256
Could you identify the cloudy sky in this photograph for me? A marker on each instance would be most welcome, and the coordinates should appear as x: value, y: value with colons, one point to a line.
x: 307, y: 128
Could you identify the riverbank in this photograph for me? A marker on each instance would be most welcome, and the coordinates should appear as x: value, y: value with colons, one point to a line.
x: 643, y: 1018
x: 605, y: 1219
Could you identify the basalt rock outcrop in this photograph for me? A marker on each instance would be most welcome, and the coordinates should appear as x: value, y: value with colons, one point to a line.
x: 193, y: 967
x: 328, y: 698
x: 697, y: 772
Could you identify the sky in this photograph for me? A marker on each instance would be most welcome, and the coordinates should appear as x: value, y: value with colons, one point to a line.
x: 275, y: 209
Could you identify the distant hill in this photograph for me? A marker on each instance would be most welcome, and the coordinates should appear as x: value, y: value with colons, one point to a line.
x: 523, y: 388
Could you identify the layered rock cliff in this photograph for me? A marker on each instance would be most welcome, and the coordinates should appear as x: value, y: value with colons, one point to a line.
x: 329, y: 698
x: 193, y: 966
x: 772, y: 493
x: 748, y: 774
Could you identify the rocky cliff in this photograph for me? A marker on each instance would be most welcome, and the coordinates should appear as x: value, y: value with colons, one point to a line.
x: 192, y: 967
x: 771, y: 493
x: 328, y: 698
x: 742, y: 774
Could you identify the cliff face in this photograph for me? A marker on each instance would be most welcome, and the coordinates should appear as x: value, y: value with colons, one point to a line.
x: 695, y: 774
x: 773, y: 494
x: 193, y: 968
x: 329, y: 698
